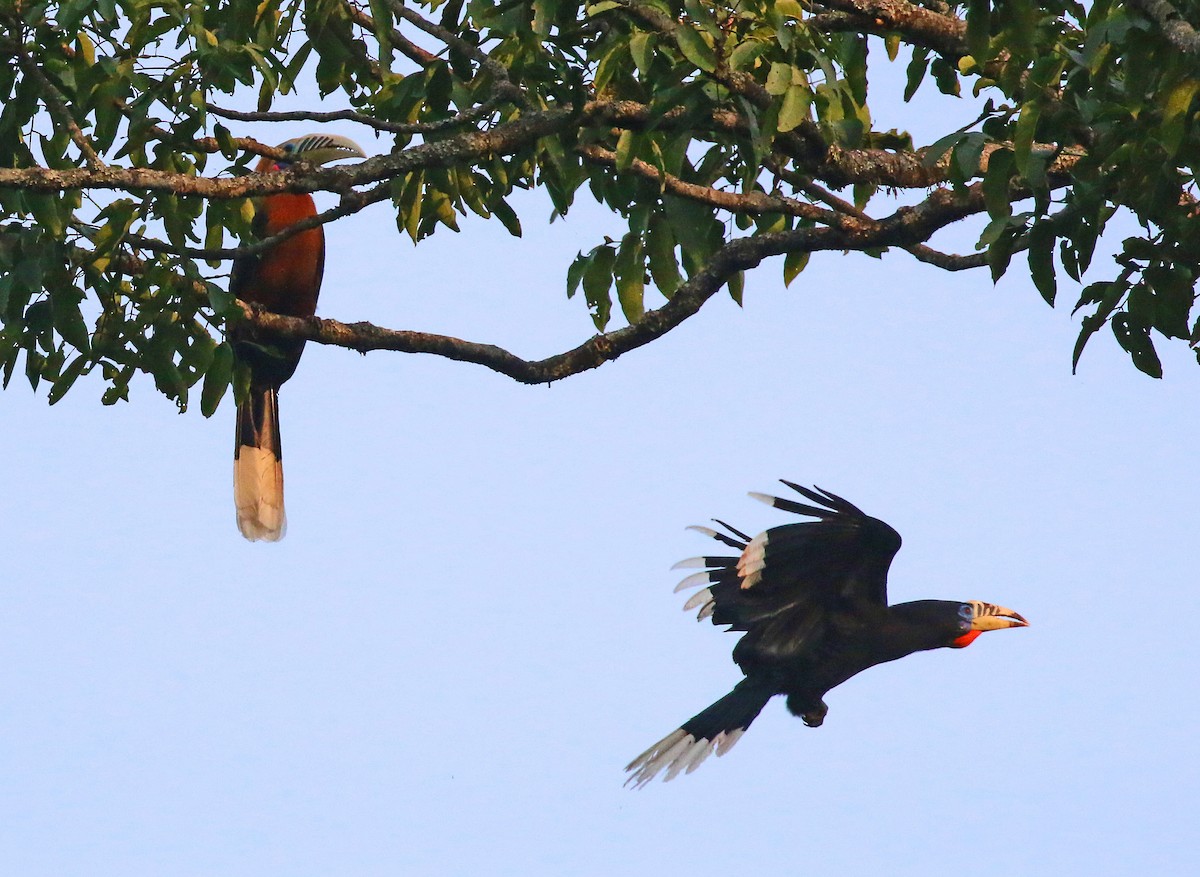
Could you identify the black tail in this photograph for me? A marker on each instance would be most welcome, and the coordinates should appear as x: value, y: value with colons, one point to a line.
x: 258, y: 467
x: 715, y: 729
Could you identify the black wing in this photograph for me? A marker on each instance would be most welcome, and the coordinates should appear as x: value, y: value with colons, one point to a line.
x: 788, y: 580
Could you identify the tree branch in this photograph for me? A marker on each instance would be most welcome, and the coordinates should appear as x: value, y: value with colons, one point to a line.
x: 737, y: 255
x: 503, y: 139
x: 944, y: 34
x: 55, y: 103
x: 753, y: 203
x: 466, y: 117
x: 909, y: 227
x: 1172, y: 24
x: 407, y: 47
x: 499, y: 72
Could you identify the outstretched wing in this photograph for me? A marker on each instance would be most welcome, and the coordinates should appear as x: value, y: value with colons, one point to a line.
x: 788, y: 580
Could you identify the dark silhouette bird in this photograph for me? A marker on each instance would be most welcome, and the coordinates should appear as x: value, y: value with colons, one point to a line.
x: 284, y: 279
x: 811, y: 599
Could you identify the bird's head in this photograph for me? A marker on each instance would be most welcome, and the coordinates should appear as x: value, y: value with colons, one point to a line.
x: 312, y: 148
x: 975, y: 616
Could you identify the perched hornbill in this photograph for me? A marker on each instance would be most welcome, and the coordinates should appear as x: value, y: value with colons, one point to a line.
x: 284, y: 279
x: 812, y: 600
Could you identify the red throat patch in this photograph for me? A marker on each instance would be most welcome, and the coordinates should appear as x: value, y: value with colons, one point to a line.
x: 965, y: 640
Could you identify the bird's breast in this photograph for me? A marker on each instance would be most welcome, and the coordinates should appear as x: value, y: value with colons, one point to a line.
x: 288, y: 276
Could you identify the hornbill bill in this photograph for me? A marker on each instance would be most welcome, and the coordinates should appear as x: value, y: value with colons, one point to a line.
x: 812, y: 600
x: 284, y: 279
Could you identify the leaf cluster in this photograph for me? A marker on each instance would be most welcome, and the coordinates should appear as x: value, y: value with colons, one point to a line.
x: 721, y: 132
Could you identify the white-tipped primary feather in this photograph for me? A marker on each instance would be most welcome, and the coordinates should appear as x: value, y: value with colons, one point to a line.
x: 753, y: 559
x: 697, y: 598
x: 705, y: 751
x: 678, y: 752
x: 754, y: 554
x: 667, y: 741
x: 696, y: 752
x: 692, y: 563
x: 665, y: 759
x: 695, y: 580
x: 258, y: 494
x: 726, y: 739
x: 763, y: 497
x: 650, y: 762
x: 703, y: 531
x: 706, y: 610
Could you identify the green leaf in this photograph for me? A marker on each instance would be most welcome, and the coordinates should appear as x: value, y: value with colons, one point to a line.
x: 381, y: 14
x: 891, y: 43
x: 1108, y: 293
x: 979, y: 26
x: 1134, y: 338
x: 1000, y: 253
x: 967, y: 154
x: 660, y: 248
x: 779, y: 79
x: 1041, y: 260
x: 216, y: 379
x: 946, y: 77
x: 915, y: 73
x: 1174, y: 295
x: 597, y: 281
x: 68, y: 321
x: 641, y: 48
x: 625, y: 150
x: 1174, y: 124
x: 793, y: 263
x: 996, y: 183
x: 225, y: 141
x: 630, y: 271
x: 745, y: 53
x: 67, y: 378
x: 737, y: 286
x: 694, y: 48
x: 575, y: 272
x: 938, y: 149
x: 794, y: 109
x: 1023, y: 136
x: 507, y: 216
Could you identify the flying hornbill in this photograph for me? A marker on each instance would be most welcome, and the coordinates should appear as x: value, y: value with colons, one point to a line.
x: 284, y: 279
x: 812, y: 600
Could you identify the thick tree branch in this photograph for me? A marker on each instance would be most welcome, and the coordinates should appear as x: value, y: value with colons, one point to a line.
x: 909, y: 227
x: 737, y: 255
x: 468, y: 146
x: 1171, y: 22
x: 944, y: 34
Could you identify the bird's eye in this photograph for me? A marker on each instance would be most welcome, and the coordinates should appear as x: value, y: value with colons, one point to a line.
x: 965, y: 611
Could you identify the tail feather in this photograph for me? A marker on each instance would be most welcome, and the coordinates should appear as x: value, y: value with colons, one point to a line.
x: 715, y: 729
x: 258, y: 468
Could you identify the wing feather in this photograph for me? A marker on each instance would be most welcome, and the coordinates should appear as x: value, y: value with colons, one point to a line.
x: 790, y: 582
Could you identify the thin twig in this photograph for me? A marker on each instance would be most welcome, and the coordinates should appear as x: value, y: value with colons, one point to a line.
x: 55, y: 102
x: 406, y: 46
x: 753, y: 203
x: 466, y: 117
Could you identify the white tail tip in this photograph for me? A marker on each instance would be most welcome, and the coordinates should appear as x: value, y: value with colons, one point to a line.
x: 258, y: 494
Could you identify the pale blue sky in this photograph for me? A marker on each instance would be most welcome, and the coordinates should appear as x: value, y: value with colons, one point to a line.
x: 469, y: 628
